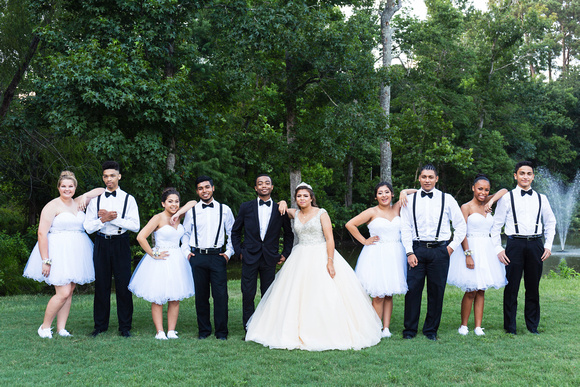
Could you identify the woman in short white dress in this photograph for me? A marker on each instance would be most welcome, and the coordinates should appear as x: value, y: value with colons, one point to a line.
x: 475, y: 267
x: 382, y: 264
x: 63, y: 256
x: 163, y: 275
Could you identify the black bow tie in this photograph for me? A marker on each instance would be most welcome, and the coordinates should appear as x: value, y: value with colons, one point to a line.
x: 529, y: 192
x: 114, y: 193
x: 204, y: 206
x: 430, y: 194
x: 265, y: 202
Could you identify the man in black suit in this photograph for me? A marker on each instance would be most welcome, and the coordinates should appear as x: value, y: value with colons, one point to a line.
x: 262, y: 222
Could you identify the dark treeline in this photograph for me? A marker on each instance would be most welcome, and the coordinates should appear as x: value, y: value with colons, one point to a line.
x: 231, y: 88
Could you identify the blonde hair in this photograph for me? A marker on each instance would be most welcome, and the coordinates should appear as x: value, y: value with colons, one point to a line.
x: 66, y: 175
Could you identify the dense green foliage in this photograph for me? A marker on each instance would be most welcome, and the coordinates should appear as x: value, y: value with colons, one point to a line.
x: 176, y: 88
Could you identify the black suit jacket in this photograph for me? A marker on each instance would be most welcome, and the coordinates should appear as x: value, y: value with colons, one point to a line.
x: 253, y: 247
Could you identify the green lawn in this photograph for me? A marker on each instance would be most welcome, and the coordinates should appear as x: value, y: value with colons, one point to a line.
x: 551, y: 358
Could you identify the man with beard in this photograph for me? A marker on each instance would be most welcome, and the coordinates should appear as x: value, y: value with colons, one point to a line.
x: 206, y: 226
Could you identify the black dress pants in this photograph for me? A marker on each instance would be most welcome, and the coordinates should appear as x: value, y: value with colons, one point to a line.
x: 433, y: 264
x: 525, y: 257
x: 210, y: 273
x: 250, y: 274
x: 112, y: 257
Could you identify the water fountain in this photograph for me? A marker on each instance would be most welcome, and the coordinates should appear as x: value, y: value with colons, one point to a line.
x: 563, y: 199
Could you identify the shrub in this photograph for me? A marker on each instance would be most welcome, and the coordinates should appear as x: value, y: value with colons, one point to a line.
x: 564, y: 271
x: 12, y: 261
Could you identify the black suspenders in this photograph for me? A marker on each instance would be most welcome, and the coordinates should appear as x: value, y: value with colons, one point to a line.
x: 440, y: 215
x: 194, y: 226
x: 516, y: 218
x: 124, y: 208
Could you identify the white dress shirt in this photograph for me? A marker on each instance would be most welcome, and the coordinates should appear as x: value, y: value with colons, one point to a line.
x: 427, y: 212
x: 526, y: 212
x: 264, y: 214
x: 207, y: 220
x: 130, y: 222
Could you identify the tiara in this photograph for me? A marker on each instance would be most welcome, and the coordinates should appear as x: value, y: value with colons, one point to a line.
x: 303, y: 184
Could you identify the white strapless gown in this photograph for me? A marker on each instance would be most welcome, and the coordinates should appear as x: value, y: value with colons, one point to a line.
x: 382, y: 267
x: 488, y: 271
x: 305, y: 308
x: 71, y: 252
x: 162, y: 280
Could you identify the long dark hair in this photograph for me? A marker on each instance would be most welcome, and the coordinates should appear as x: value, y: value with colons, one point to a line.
x: 310, y: 191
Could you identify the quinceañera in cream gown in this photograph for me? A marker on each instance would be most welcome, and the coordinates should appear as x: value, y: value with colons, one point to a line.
x: 305, y: 308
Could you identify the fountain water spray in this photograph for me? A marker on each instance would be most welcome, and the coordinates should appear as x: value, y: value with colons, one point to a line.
x: 563, y: 198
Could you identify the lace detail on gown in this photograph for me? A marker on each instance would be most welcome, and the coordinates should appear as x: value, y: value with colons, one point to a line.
x: 309, y: 233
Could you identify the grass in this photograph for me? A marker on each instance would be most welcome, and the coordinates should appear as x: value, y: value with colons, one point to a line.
x: 551, y: 358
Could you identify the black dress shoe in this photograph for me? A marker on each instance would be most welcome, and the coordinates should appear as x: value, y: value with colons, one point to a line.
x: 408, y: 336
x: 202, y: 337
x: 126, y: 334
x: 222, y: 338
x: 534, y: 331
x: 432, y: 337
x: 511, y: 332
x: 96, y: 332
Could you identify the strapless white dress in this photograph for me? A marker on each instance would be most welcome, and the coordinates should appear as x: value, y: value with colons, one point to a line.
x: 305, y: 308
x: 162, y: 280
x: 71, y: 252
x: 488, y: 271
x: 382, y: 267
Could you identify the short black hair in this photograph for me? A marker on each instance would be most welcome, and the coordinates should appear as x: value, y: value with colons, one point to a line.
x: 428, y: 167
x: 524, y: 163
x: 111, y: 165
x: 262, y: 175
x: 203, y: 178
x: 480, y: 176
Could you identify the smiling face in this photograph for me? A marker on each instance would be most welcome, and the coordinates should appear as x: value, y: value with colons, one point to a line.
x: 171, y: 204
x: 205, y: 191
x: 428, y: 179
x: 524, y: 176
x: 111, y: 179
x: 481, y: 190
x: 384, y: 196
x: 67, y: 188
x: 303, y: 199
x: 264, y: 187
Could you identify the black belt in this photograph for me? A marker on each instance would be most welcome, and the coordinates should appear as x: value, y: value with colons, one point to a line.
x: 526, y: 237
x: 430, y: 244
x: 105, y: 236
x: 217, y: 250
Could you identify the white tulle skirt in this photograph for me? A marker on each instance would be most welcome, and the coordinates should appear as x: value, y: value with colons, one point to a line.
x: 305, y: 308
x: 382, y: 269
x: 162, y: 280
x: 71, y: 253
x: 488, y: 271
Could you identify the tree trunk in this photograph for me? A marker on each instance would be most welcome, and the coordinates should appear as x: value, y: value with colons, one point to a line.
x: 391, y: 7
x: 11, y: 89
x: 349, y: 176
x: 290, y: 102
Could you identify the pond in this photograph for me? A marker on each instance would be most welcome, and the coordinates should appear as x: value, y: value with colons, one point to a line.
x: 351, y: 250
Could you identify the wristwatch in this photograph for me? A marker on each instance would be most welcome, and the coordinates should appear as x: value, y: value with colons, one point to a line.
x: 411, y: 253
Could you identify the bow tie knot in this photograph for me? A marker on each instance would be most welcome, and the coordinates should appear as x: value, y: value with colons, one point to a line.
x: 267, y: 202
x: 204, y: 206
x: 528, y: 192
x: 107, y: 194
x: 429, y: 194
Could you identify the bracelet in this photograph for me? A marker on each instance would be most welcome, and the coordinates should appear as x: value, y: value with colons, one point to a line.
x: 331, y: 258
x: 467, y: 253
x: 47, y: 261
x: 156, y: 252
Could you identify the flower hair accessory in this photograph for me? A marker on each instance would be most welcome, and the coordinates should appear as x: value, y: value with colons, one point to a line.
x: 304, y: 185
